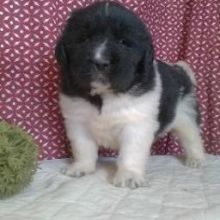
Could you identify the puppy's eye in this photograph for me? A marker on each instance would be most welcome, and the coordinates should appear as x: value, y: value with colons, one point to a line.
x: 83, y: 39
x: 124, y: 42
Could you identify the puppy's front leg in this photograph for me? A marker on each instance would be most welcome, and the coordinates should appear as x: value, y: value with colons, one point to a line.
x: 84, y: 149
x: 135, y: 143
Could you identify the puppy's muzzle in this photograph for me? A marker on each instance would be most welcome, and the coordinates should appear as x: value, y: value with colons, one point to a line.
x: 101, y: 65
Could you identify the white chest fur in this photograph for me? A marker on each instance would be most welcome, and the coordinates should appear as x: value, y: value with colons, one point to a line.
x: 117, y: 111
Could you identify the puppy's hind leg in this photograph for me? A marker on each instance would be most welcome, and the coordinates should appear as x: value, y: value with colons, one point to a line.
x: 187, y: 129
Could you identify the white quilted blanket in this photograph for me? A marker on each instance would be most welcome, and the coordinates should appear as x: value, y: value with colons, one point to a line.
x: 174, y: 193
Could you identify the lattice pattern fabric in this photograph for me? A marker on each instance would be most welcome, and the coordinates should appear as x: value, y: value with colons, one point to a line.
x: 29, y: 76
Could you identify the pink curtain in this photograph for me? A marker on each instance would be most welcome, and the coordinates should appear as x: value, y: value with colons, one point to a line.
x: 182, y: 30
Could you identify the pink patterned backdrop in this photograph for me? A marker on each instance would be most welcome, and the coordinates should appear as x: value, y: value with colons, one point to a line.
x: 181, y: 29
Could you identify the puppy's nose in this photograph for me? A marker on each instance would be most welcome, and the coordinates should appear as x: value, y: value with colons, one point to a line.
x: 101, y: 65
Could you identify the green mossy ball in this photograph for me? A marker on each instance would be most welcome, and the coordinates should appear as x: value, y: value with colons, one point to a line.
x: 18, y: 160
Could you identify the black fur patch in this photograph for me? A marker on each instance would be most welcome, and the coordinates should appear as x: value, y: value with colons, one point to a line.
x: 175, y: 85
x: 96, y: 101
x: 144, y: 82
x: 74, y: 91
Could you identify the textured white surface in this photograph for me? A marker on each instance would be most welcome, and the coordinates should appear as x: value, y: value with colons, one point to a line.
x: 175, y: 192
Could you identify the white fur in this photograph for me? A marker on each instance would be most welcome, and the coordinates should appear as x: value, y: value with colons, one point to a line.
x: 107, y: 9
x: 98, y: 53
x: 129, y: 124
x: 99, y: 88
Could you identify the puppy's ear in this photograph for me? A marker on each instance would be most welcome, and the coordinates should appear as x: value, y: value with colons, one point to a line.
x: 62, y: 58
x: 147, y: 60
x: 149, y: 55
x: 61, y: 54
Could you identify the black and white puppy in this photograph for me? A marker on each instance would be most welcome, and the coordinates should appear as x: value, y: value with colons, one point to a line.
x: 115, y: 94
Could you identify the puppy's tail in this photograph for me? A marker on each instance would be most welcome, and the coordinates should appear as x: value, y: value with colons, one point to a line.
x: 186, y: 67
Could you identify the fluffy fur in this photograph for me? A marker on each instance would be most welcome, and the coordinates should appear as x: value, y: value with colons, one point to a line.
x: 115, y: 94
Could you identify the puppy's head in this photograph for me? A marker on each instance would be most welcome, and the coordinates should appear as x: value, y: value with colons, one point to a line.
x: 104, y: 48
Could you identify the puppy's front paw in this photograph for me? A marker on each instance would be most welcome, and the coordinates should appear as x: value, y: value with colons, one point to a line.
x: 193, y: 162
x: 130, y: 179
x: 78, y: 169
